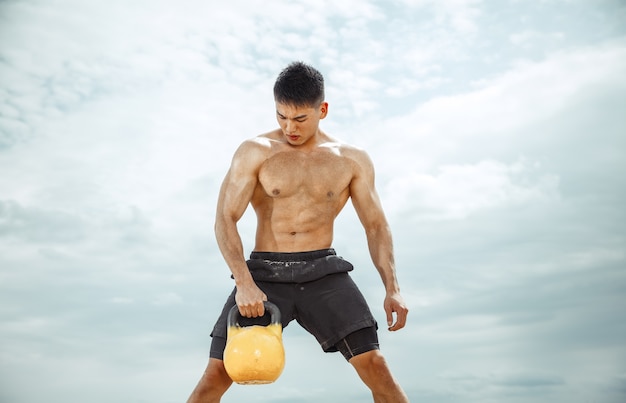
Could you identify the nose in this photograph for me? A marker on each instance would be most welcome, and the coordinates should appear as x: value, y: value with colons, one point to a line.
x: 290, y: 126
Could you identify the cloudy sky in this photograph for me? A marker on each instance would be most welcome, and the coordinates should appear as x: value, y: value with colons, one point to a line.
x: 498, y: 131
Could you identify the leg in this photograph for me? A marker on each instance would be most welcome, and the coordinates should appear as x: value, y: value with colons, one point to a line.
x: 213, y: 384
x: 215, y: 381
x: 373, y: 370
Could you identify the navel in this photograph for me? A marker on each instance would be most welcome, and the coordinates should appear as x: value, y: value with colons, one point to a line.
x: 293, y: 233
x: 330, y: 194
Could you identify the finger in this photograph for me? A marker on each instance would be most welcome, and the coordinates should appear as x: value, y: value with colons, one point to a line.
x: 262, y: 305
x: 401, y: 316
x: 247, y: 310
x: 260, y: 309
x: 396, y: 326
x: 244, y: 311
x: 389, y: 316
x: 390, y: 323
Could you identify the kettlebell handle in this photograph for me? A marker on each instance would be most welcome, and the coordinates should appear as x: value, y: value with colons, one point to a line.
x: 234, y: 315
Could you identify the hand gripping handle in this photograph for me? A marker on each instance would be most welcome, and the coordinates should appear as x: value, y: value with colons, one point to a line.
x: 234, y: 315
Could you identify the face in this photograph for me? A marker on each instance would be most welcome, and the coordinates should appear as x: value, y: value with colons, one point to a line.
x: 300, y: 123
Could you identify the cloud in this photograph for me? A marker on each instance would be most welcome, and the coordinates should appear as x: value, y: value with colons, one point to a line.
x: 458, y: 14
x: 458, y: 190
x: 490, y: 121
x: 496, y: 133
x: 36, y: 225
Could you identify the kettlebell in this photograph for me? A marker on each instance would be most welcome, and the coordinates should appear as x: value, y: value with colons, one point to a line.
x: 254, y: 354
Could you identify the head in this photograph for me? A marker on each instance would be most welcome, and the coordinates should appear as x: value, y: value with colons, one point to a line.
x: 299, y: 85
x: 300, y: 105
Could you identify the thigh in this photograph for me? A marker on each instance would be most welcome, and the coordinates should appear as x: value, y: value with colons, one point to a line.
x: 358, y: 342
x: 331, y: 308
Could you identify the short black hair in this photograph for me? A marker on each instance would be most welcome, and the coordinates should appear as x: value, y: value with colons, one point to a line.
x: 299, y: 84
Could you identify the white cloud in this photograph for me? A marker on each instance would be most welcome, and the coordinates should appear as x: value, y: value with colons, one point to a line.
x: 460, y: 14
x: 507, y: 115
x: 168, y: 298
x: 498, y: 165
x: 530, y: 92
x: 456, y: 191
x: 122, y: 300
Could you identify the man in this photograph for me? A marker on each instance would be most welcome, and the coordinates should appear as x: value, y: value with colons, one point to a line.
x: 298, y: 179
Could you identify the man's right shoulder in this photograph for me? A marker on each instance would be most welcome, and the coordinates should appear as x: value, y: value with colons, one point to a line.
x: 255, y: 150
x: 262, y: 142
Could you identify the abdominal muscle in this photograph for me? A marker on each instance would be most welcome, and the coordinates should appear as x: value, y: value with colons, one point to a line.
x: 293, y: 241
x: 284, y: 226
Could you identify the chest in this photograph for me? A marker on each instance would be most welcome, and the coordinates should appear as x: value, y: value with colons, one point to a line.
x: 318, y: 175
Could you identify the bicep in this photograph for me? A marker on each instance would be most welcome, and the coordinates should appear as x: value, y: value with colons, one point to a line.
x: 238, y: 186
x: 235, y: 194
x: 364, y: 195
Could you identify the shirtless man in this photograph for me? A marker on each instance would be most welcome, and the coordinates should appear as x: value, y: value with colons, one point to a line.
x: 298, y: 179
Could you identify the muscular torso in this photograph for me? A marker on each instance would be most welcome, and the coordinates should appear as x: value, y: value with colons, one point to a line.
x: 298, y: 196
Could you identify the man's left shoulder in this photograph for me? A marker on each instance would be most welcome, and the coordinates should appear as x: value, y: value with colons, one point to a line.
x: 343, y: 148
x: 357, y: 154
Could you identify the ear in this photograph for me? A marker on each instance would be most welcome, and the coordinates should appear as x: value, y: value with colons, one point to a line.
x: 323, y: 110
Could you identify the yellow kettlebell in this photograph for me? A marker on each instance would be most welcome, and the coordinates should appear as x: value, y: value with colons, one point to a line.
x: 254, y: 354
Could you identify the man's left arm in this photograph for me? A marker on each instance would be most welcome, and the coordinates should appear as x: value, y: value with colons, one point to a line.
x: 369, y: 209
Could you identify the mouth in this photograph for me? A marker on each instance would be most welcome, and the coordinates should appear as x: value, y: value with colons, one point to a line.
x: 293, y: 137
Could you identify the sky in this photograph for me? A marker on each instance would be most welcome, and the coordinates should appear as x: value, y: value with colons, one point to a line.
x: 497, y: 131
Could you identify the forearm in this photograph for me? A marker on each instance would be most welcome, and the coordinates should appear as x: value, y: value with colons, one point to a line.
x: 249, y: 298
x: 380, y: 245
x: 231, y: 247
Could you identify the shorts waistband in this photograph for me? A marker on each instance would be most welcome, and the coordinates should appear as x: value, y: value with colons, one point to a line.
x: 293, y: 256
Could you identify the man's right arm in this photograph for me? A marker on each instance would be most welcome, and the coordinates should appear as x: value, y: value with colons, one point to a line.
x: 235, y: 195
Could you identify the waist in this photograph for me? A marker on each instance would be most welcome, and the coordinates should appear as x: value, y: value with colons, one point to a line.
x: 293, y: 256
x: 296, y: 267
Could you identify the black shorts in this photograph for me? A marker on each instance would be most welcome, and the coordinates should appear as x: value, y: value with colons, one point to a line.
x: 315, y: 289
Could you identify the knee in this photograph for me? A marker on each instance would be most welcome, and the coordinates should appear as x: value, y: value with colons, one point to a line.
x: 214, y: 382
x: 216, y: 376
x: 372, y: 363
x: 373, y: 370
